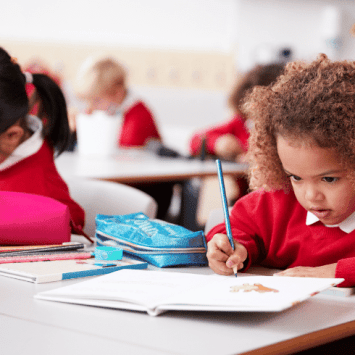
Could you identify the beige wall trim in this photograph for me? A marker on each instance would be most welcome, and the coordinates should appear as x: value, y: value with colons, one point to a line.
x: 146, y: 67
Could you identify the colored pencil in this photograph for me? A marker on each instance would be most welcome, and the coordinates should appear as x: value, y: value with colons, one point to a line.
x: 225, y: 207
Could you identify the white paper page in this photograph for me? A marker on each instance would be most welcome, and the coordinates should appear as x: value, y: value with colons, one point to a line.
x: 259, y: 293
x: 104, y: 303
x: 148, y: 288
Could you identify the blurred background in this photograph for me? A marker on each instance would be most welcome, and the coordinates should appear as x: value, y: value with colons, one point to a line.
x: 183, y: 56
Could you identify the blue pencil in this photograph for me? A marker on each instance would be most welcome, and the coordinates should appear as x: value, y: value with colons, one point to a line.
x: 225, y: 206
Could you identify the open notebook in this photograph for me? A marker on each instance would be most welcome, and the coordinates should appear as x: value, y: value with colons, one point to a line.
x: 332, y: 291
x: 156, y: 292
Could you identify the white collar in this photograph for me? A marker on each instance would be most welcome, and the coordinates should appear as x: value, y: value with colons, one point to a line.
x: 29, y: 147
x: 347, y: 226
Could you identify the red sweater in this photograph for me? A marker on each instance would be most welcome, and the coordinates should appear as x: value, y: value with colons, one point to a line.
x: 236, y: 126
x: 38, y: 175
x: 137, y: 127
x: 272, y: 227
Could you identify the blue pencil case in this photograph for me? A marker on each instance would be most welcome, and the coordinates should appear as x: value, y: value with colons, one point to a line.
x: 159, y: 243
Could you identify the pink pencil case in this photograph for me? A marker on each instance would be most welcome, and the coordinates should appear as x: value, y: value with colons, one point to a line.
x: 28, y: 219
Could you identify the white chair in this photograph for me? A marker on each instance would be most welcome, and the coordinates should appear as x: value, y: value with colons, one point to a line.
x: 104, y: 197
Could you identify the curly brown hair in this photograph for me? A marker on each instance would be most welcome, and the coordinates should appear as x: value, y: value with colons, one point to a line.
x: 310, y: 101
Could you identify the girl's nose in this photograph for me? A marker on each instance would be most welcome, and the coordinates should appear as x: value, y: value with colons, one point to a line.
x: 312, y: 193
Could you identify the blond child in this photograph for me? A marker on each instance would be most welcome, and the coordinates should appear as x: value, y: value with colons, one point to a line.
x: 102, y: 85
x: 301, y: 216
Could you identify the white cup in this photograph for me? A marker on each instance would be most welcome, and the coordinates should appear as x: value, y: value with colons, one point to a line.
x: 97, y: 133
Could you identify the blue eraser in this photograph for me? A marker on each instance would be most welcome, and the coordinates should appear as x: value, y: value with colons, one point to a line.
x: 108, y: 253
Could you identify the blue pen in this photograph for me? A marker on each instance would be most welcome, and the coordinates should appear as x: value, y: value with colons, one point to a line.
x: 225, y: 206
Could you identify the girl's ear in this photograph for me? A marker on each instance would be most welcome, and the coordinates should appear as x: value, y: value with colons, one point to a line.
x: 10, y: 140
x: 13, y: 136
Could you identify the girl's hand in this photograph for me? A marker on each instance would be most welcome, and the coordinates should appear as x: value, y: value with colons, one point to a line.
x: 227, y: 147
x: 222, y: 258
x: 241, y: 158
x: 303, y: 271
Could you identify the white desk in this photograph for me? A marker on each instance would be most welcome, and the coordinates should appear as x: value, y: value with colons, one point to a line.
x: 40, y: 327
x: 137, y: 166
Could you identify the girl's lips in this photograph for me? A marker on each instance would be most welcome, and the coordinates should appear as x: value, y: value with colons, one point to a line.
x: 320, y: 213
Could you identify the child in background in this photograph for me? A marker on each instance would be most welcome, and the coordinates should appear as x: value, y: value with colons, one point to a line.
x: 101, y: 85
x: 27, y: 144
x: 302, y: 165
x: 230, y: 140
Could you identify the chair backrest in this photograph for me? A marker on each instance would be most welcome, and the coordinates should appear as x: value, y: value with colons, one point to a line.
x: 215, y: 217
x: 104, y: 197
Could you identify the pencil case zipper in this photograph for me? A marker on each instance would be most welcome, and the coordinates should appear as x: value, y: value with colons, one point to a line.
x: 138, y: 249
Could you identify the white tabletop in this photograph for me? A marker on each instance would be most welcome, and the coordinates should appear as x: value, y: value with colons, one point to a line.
x: 137, y: 165
x: 33, y: 326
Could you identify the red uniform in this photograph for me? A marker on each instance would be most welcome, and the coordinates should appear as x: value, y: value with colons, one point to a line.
x: 138, y: 126
x: 37, y: 174
x: 236, y: 126
x: 272, y: 227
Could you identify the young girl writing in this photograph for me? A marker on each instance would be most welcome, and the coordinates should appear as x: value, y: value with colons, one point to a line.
x: 302, y: 165
x: 27, y: 142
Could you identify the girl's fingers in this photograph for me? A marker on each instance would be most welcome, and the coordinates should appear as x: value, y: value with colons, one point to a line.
x: 218, y: 251
x: 238, y: 257
x: 217, y: 246
x: 220, y: 267
x: 221, y: 257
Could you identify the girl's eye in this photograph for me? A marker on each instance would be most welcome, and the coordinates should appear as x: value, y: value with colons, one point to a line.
x: 294, y: 178
x: 330, y: 179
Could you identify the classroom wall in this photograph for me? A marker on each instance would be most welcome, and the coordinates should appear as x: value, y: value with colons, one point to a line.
x: 177, y: 43
x: 183, y: 56
x: 180, y: 54
x: 302, y: 25
x: 177, y: 32
x: 160, y: 24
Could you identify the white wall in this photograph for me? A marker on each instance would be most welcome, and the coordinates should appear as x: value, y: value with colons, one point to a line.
x: 296, y: 24
x: 228, y: 26
x: 177, y: 24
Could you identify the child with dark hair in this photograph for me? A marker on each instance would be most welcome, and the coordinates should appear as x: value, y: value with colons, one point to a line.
x: 230, y: 140
x: 28, y: 143
x: 302, y: 165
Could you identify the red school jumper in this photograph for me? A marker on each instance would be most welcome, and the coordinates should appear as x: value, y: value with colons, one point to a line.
x: 138, y: 126
x: 272, y: 227
x: 38, y: 175
x: 236, y: 126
